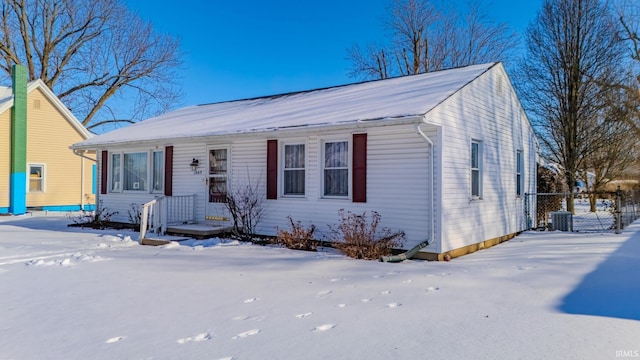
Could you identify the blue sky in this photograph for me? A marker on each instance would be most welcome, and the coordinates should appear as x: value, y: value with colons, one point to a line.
x: 240, y: 49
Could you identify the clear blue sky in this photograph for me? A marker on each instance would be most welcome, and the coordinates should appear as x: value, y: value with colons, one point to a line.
x: 240, y: 49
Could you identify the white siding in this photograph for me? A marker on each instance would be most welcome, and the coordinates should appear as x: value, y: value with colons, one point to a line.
x: 399, y: 176
x: 480, y: 111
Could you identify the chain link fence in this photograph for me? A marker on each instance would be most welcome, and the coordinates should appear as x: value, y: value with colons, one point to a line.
x: 592, y: 211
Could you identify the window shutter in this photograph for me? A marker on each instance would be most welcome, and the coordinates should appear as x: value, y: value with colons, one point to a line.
x: 359, y: 184
x: 272, y: 169
x: 168, y: 170
x: 104, y: 172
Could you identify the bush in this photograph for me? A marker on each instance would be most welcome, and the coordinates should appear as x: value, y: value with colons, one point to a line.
x: 298, y: 238
x: 359, y: 238
x: 98, y: 219
x: 135, y: 214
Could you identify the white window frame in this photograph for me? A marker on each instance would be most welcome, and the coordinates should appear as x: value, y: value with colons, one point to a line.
x: 42, y: 178
x: 349, y: 167
x: 152, y: 172
x: 283, y: 169
x: 476, y: 169
x: 519, y: 173
x: 119, y: 182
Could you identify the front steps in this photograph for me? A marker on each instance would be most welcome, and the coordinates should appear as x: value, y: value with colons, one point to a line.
x: 184, y: 232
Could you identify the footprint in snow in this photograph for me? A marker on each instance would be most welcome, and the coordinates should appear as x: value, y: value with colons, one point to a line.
x: 302, y: 316
x: 324, y: 327
x: 433, y: 288
x: 200, y: 337
x: 248, y: 301
x: 324, y: 293
x: 114, y: 339
x: 246, y: 334
x: 525, y: 267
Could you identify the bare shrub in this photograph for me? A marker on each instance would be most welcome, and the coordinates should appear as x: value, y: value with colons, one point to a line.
x: 298, y: 237
x: 359, y: 238
x: 97, y: 219
x: 246, y: 207
x: 135, y: 214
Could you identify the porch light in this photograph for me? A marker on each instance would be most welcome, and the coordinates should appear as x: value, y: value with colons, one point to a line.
x: 194, y: 164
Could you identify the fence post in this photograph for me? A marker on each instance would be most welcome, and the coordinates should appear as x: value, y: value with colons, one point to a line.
x: 618, y: 210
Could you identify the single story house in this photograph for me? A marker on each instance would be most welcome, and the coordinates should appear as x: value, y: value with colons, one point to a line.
x: 38, y: 170
x: 446, y: 157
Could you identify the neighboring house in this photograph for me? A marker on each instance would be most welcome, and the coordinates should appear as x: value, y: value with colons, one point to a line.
x: 38, y: 170
x: 444, y: 156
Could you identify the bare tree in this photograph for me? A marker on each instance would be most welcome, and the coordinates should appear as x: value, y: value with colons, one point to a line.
x: 104, y: 62
x: 423, y: 38
x: 628, y: 13
x: 568, y: 77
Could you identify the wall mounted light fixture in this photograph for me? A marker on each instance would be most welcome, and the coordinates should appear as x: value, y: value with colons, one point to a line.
x: 194, y: 164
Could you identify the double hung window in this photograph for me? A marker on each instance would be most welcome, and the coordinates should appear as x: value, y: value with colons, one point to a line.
x: 476, y: 169
x: 336, y: 169
x: 294, y: 169
x: 36, y: 178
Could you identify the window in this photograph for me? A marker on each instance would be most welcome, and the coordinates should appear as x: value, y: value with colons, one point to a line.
x: 476, y: 169
x: 157, y: 171
x: 115, y: 173
x: 36, y: 178
x: 134, y: 171
x: 294, y: 169
x: 519, y: 173
x: 336, y: 169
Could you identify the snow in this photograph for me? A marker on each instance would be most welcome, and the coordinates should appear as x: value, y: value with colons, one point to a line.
x: 369, y: 101
x: 84, y: 293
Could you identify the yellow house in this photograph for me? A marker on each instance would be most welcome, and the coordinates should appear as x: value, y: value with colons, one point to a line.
x: 38, y: 171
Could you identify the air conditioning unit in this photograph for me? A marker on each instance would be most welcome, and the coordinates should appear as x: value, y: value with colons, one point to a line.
x: 562, y: 220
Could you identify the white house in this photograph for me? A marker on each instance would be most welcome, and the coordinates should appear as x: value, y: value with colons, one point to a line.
x: 444, y: 156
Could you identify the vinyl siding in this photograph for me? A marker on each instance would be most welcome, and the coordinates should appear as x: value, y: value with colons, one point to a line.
x: 49, y: 136
x: 5, y: 157
x: 481, y: 112
x: 397, y: 175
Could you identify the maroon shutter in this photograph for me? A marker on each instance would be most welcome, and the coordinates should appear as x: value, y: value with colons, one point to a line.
x: 272, y: 169
x: 103, y: 172
x: 168, y: 170
x: 359, y: 168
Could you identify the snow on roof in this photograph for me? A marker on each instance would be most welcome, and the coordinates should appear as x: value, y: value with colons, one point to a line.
x: 5, y: 94
x: 382, y: 99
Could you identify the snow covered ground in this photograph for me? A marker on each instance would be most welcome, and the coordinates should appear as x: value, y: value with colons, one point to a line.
x: 68, y: 293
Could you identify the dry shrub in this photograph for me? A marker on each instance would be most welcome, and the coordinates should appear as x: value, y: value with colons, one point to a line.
x: 359, y: 238
x: 298, y: 237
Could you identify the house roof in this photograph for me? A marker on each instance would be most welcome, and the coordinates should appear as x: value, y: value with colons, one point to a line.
x: 6, y: 102
x: 390, y: 99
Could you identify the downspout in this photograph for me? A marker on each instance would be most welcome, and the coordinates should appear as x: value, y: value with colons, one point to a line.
x: 76, y: 152
x: 409, y: 254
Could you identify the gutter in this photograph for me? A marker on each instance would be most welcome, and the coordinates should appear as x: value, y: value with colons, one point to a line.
x: 76, y: 152
x: 409, y: 254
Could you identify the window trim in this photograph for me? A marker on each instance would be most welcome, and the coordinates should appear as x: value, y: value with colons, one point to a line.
x: 42, y: 178
x: 519, y: 173
x: 479, y: 169
x: 149, y: 167
x: 282, y: 168
x: 349, y: 167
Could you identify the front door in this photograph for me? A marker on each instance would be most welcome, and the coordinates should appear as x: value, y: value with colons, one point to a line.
x: 217, y: 184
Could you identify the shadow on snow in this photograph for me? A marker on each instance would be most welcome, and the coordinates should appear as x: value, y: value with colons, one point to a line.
x: 613, y: 288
